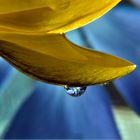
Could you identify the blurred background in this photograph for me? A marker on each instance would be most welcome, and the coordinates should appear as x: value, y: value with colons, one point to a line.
x: 31, y: 109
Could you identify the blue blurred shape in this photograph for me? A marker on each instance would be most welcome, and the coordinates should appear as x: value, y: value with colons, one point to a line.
x: 52, y: 114
x: 4, y: 70
x: 15, y: 89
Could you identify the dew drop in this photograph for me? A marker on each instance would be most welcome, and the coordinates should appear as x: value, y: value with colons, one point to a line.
x: 75, y: 91
x: 105, y: 84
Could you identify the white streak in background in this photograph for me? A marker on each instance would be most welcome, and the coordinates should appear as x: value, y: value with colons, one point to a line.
x: 128, y: 123
x: 16, y: 89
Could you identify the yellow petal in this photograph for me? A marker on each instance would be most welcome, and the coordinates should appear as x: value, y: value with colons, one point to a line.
x: 52, y: 58
x: 54, y: 16
x: 10, y: 6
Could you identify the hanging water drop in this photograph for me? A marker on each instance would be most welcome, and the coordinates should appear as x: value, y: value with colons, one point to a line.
x: 105, y: 84
x: 75, y: 91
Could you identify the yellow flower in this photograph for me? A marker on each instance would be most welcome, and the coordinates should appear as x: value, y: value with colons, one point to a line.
x: 32, y: 40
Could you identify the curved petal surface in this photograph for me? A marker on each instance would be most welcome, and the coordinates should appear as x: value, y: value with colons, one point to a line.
x: 54, y: 59
x: 51, y: 15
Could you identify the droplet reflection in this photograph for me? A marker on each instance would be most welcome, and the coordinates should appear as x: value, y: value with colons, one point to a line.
x: 75, y: 91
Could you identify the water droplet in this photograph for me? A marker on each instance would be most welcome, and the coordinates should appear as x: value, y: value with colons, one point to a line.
x: 75, y: 91
x: 105, y: 84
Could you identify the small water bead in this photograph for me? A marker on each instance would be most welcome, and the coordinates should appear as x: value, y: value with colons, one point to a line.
x: 105, y: 84
x: 75, y: 91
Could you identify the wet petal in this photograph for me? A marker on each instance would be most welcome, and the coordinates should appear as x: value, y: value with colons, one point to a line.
x: 5, y: 6
x: 52, y: 15
x: 54, y: 59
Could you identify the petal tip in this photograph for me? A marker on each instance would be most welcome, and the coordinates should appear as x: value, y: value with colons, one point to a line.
x: 132, y: 67
x: 128, y: 69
